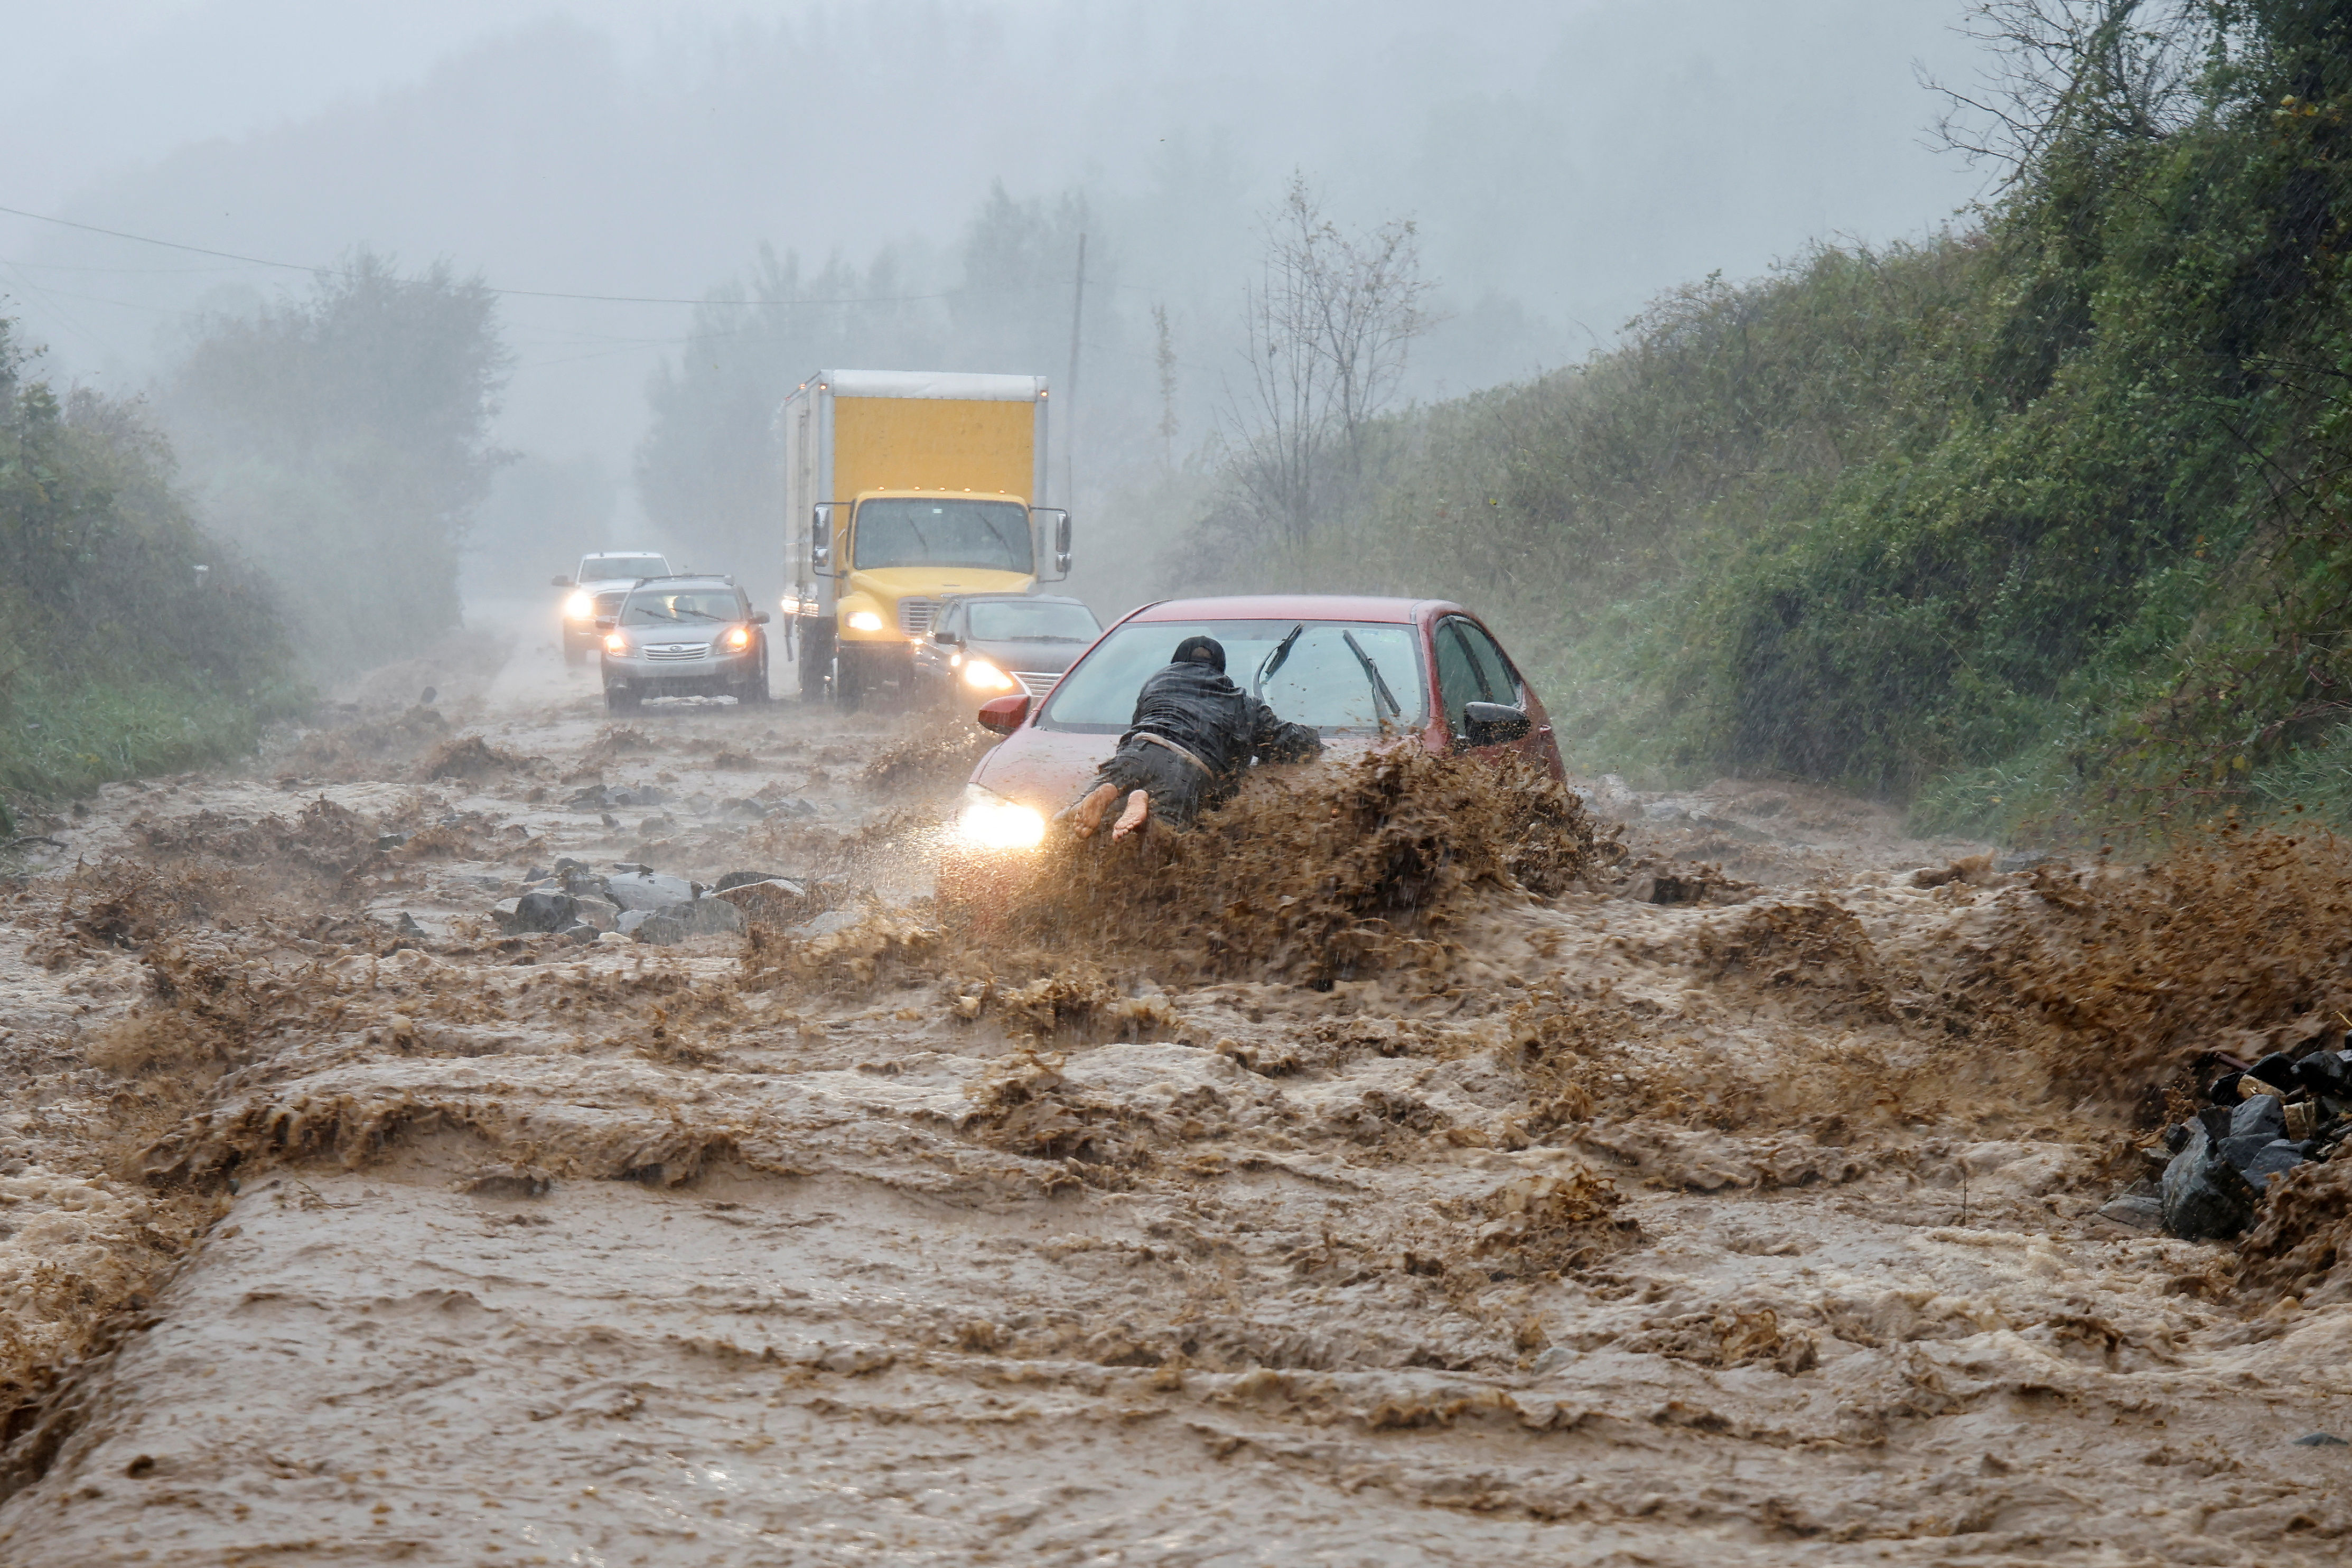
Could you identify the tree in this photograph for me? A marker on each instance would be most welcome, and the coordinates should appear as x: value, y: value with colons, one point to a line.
x: 343, y: 439
x: 2109, y: 71
x: 1328, y: 326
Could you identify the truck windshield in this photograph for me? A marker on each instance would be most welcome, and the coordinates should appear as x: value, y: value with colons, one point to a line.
x: 687, y: 607
x: 986, y: 535
x: 1320, y: 681
x: 622, y: 568
x: 1033, y: 620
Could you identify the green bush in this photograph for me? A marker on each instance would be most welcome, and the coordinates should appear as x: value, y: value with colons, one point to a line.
x: 116, y: 654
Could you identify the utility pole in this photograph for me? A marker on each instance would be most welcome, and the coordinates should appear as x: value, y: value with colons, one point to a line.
x: 1070, y: 384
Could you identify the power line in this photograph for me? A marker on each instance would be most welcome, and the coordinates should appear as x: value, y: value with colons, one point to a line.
x: 512, y: 293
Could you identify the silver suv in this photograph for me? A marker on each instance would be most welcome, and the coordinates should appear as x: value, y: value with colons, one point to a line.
x: 694, y: 635
x: 604, y: 576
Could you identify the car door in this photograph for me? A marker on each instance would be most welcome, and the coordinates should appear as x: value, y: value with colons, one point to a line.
x: 1460, y: 683
x: 1473, y: 667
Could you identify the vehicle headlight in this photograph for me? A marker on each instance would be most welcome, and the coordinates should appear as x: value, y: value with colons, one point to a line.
x: 988, y: 821
x: 581, y: 605
x: 865, y: 621
x: 737, y: 640
x: 617, y: 644
x: 981, y: 675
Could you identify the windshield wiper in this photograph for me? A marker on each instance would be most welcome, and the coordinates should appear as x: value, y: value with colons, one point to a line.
x: 1274, y: 660
x: 1380, y: 692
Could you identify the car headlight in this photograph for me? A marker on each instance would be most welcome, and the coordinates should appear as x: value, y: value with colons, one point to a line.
x: 617, y: 644
x: 982, y: 676
x: 737, y: 640
x: 988, y: 821
x: 865, y: 621
x: 581, y: 605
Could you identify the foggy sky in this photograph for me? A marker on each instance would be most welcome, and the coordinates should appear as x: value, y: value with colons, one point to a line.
x: 1565, y: 161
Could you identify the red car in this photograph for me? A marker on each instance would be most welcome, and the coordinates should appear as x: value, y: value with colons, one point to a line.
x: 1343, y: 664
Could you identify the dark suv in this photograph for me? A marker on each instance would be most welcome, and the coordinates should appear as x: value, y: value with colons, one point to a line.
x: 684, y: 637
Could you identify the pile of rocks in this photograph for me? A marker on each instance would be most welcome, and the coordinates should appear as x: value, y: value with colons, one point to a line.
x: 634, y: 902
x: 2263, y: 1121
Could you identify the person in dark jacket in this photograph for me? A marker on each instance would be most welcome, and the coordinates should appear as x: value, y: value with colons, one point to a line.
x: 1192, y: 737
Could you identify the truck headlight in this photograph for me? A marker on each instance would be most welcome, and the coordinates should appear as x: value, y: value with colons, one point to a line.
x: 988, y: 821
x: 580, y: 607
x: 865, y: 621
x: 982, y: 676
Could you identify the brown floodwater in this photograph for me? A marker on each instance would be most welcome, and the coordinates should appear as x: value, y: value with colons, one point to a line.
x: 1312, y: 1194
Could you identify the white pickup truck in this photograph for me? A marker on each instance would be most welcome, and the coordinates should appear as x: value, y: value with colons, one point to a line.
x: 597, y: 590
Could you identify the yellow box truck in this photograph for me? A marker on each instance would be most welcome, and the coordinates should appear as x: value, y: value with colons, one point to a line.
x: 901, y: 488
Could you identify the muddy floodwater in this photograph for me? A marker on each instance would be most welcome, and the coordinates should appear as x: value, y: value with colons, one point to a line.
x: 1733, y: 1204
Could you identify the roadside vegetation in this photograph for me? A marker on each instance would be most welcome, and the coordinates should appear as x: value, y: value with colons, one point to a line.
x: 2041, y: 524
x: 118, y: 655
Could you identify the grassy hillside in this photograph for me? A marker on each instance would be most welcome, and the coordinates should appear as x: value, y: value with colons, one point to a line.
x: 2045, y: 520
x: 116, y: 656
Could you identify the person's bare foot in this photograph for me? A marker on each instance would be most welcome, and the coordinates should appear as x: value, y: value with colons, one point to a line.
x: 1131, y: 820
x: 1085, y: 817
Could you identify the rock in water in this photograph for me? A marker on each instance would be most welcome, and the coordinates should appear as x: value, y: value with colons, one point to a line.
x: 2205, y: 1198
x: 660, y: 929
x: 543, y: 909
x: 706, y: 916
x: 775, y: 900
x: 647, y: 889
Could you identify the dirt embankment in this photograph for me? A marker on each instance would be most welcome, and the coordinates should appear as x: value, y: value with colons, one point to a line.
x: 1413, y: 1164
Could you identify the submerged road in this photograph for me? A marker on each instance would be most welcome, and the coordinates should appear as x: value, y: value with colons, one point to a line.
x: 1715, y: 1232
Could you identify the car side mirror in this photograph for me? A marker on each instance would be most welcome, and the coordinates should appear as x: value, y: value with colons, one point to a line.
x: 947, y: 639
x: 606, y: 622
x: 1005, y: 714
x: 561, y: 583
x: 759, y: 617
x: 1493, y: 723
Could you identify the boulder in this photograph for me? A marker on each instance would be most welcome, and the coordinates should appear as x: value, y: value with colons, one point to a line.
x: 772, y: 901
x: 2273, y: 1158
x: 2276, y: 1070
x: 601, y: 913
x: 2205, y: 1198
x: 2263, y: 1115
x: 706, y: 916
x: 543, y: 909
x: 643, y: 890
x: 660, y: 929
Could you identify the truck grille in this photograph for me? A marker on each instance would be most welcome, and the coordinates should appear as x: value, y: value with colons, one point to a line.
x: 678, y: 650
x: 915, y: 615
x: 1036, y: 682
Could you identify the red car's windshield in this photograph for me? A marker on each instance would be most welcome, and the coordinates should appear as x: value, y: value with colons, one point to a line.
x: 1339, y: 676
